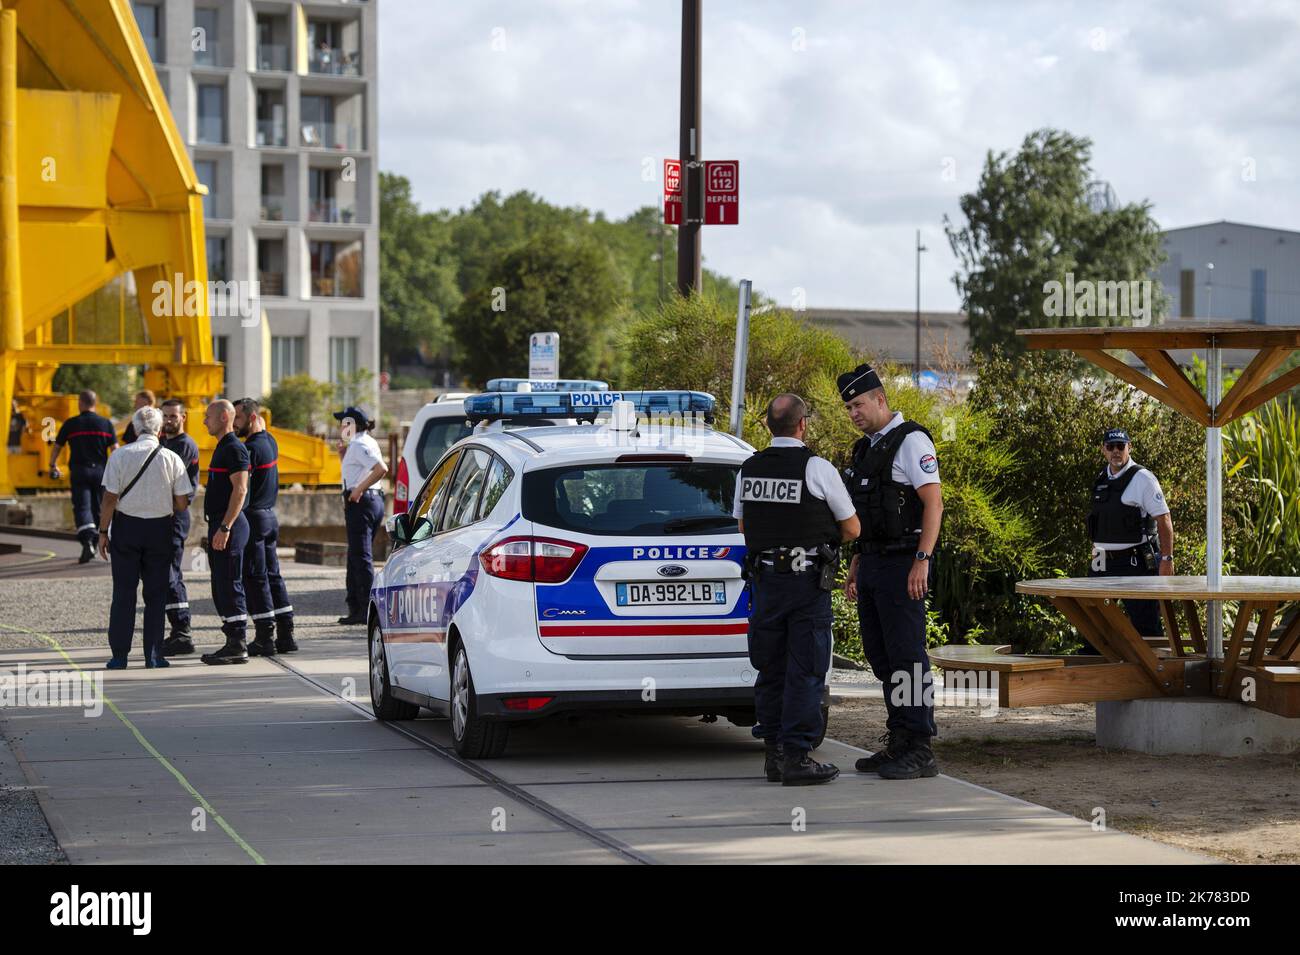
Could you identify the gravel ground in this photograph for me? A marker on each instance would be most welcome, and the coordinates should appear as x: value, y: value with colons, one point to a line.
x: 25, y: 836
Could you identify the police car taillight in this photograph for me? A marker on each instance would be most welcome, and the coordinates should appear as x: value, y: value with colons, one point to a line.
x: 538, y: 559
x: 401, y: 488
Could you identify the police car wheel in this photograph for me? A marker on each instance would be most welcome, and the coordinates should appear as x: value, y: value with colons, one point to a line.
x: 473, y: 736
x: 382, y: 701
x: 826, y: 715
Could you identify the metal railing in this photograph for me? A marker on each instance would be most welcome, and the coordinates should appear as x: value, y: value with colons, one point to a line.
x: 329, y: 210
x: 330, y: 135
x: 270, y: 133
x: 334, y: 62
x: 210, y: 55
x: 272, y: 56
x: 273, y: 208
x: 211, y: 129
x: 271, y: 283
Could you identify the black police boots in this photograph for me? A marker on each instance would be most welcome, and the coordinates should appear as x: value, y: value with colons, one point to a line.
x: 263, y: 644
x: 87, y: 553
x: 233, y: 652
x: 178, y: 644
x: 799, y: 769
x: 284, y: 641
x: 891, y: 746
x: 916, y: 761
x: 772, y: 758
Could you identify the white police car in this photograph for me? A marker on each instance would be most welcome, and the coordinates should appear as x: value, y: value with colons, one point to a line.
x: 553, y: 569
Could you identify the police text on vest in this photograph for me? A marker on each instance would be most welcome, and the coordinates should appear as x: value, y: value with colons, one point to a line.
x: 771, y: 490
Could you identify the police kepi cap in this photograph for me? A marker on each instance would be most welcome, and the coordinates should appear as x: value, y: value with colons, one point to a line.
x: 1116, y: 434
x: 857, y: 382
x: 357, y: 414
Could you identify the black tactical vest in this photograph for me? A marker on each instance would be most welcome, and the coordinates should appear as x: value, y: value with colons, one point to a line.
x: 1111, y: 520
x: 890, y: 512
x: 778, y: 509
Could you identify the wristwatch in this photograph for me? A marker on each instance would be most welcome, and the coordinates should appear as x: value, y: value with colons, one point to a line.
x: 224, y: 528
x: 922, y: 555
x: 1168, y: 557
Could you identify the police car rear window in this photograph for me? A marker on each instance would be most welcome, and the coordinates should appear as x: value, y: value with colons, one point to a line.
x: 438, y: 435
x: 633, y: 499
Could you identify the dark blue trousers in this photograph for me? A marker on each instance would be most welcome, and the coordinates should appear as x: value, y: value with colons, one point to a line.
x: 87, y: 493
x: 362, y: 519
x: 227, y: 567
x: 268, y: 598
x: 1145, y: 614
x: 140, y: 549
x: 178, y: 600
x: 892, y: 625
x: 790, y: 647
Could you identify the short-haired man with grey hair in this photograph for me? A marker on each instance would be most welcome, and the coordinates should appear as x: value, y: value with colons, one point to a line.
x: 145, y: 485
x: 794, y: 512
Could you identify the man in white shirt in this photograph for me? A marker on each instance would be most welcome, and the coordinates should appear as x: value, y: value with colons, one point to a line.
x: 1129, y: 514
x: 145, y: 485
x: 363, y: 505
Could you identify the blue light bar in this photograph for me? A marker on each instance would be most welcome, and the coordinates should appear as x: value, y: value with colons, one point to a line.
x: 586, y: 405
x: 540, y: 384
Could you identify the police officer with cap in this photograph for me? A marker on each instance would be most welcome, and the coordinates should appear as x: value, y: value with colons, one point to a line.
x: 794, y: 513
x: 894, y: 482
x: 89, y: 436
x: 175, y: 440
x: 1128, y: 515
x: 363, y: 505
x: 268, y: 598
x: 223, y: 508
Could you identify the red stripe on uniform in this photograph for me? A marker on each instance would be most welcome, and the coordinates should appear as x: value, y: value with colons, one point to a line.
x: 92, y: 434
x: 261, y: 467
x: 649, y: 630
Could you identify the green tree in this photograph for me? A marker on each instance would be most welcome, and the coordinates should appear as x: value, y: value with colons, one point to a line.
x: 115, y: 385
x: 417, y: 273
x: 554, y: 282
x: 1029, y: 223
x: 300, y: 403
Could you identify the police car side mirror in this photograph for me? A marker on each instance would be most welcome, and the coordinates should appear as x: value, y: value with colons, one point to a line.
x: 398, y: 528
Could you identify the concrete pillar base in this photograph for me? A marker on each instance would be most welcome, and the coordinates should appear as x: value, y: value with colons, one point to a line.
x: 1194, y: 726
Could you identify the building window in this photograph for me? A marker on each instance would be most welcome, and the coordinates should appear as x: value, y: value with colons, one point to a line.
x: 204, y: 42
x: 273, y: 193
x: 336, y: 269
x: 333, y: 47
x: 1187, y: 293
x: 1258, y: 289
x: 221, y: 353
x: 218, y: 266
x: 272, y: 48
x: 207, y: 172
x: 148, y: 16
x: 212, y: 113
x: 270, y: 266
x: 320, y: 191
x: 286, y: 357
x: 343, y: 357
x: 270, y: 118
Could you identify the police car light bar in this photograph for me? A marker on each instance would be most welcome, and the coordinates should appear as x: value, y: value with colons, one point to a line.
x: 540, y: 384
x: 586, y: 405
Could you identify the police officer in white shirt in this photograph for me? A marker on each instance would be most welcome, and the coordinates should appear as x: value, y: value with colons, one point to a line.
x: 1129, y: 516
x: 145, y: 486
x: 363, y: 505
x: 894, y: 482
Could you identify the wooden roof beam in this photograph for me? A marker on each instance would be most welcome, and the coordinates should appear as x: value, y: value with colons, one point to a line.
x: 1257, y: 372
x: 1146, y: 383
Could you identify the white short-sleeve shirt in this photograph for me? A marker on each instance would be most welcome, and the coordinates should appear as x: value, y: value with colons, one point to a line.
x: 151, y: 497
x: 821, y: 478
x: 362, y: 455
x: 916, y: 462
x: 1143, y: 492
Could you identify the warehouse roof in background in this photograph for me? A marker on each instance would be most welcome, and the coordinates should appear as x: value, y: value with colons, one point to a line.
x: 891, y: 335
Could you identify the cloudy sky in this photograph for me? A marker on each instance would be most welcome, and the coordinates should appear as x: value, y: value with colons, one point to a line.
x: 855, y: 123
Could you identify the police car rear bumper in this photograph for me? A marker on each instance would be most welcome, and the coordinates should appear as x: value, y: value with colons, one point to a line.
x: 736, y: 703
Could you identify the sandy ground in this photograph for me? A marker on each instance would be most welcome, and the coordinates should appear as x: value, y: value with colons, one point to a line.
x: 1241, y: 810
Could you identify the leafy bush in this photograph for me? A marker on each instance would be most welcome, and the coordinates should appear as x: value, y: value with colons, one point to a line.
x: 301, y: 403
x: 1262, y: 492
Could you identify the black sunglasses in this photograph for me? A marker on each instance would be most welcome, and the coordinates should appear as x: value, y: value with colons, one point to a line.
x: 1116, y: 445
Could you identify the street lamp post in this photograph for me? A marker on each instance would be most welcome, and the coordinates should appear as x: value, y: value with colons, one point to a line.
x: 916, y: 369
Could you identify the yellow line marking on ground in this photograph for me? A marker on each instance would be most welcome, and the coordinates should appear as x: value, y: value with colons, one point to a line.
x: 149, y: 747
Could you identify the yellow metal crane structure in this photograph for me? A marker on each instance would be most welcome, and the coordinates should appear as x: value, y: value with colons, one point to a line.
x: 100, y: 203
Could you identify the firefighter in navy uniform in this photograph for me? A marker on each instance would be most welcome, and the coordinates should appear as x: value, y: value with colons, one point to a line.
x: 1129, y: 520
x: 794, y: 513
x: 223, y: 509
x: 89, y: 436
x: 175, y: 439
x: 268, y: 598
x: 894, y: 482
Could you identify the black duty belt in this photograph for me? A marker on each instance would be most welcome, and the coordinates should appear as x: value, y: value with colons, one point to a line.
x: 783, y: 561
x: 370, y: 490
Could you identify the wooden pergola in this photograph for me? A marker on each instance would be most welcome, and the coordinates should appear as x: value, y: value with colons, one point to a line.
x: 1262, y: 669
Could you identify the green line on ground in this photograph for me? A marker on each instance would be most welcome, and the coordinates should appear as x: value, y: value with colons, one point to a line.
x: 149, y: 747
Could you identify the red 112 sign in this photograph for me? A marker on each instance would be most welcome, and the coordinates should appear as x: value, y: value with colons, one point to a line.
x: 672, y: 192
x: 722, y: 192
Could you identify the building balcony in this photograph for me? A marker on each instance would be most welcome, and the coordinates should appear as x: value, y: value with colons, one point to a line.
x: 329, y: 210
x: 210, y: 129
x: 327, y: 286
x: 271, y: 133
x: 330, y: 136
x: 271, y: 283
x: 332, y: 62
x: 210, y: 55
x: 273, y: 56
x: 273, y: 208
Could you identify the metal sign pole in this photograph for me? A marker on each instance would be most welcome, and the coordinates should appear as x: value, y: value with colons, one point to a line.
x: 1214, y: 500
x: 738, y: 365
